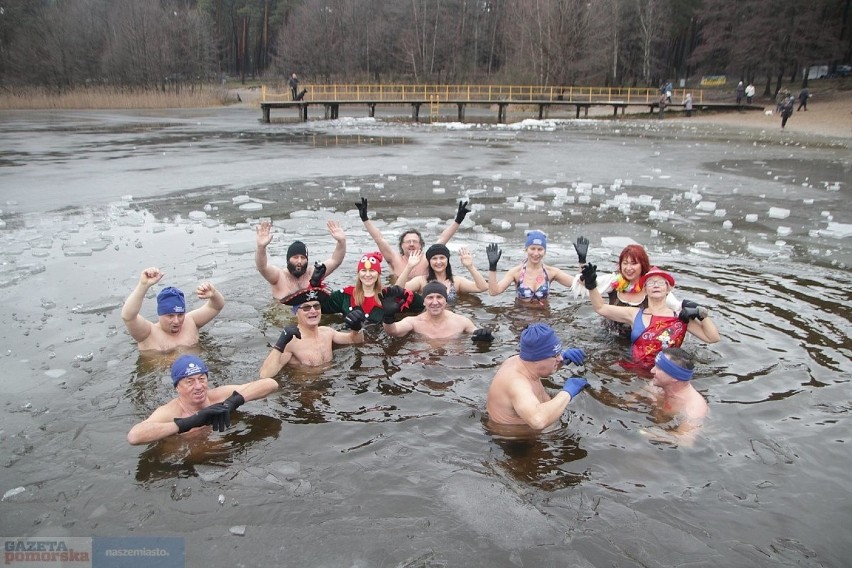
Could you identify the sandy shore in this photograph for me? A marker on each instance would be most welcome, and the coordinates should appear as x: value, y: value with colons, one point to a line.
x: 830, y: 115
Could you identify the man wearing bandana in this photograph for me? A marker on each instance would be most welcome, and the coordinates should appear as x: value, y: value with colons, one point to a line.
x: 673, y: 394
x: 299, y: 273
x: 308, y: 343
x: 174, y: 327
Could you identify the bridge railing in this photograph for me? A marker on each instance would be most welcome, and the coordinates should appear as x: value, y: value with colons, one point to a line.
x: 490, y: 93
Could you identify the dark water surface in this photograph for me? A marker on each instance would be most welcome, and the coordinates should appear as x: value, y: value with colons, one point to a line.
x: 382, y: 458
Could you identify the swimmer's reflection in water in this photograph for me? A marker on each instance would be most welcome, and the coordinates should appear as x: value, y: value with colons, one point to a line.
x: 537, y: 458
x: 177, y: 456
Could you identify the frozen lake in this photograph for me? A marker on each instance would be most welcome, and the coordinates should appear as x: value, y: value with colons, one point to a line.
x: 381, y: 458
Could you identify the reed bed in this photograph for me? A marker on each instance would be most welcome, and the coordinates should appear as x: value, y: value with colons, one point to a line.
x: 115, y: 98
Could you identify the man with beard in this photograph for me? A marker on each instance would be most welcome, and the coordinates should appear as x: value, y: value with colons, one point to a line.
x: 313, y: 342
x: 174, y: 327
x: 299, y: 273
x: 196, y: 406
x: 436, y: 322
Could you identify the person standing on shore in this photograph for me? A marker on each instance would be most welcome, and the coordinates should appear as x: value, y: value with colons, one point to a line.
x: 749, y: 93
x: 787, y: 109
x: 740, y: 92
x: 294, y: 86
x: 174, y: 327
x: 687, y: 105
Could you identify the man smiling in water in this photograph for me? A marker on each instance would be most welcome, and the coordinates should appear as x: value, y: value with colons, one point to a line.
x: 174, y: 327
x: 672, y: 391
x: 517, y: 396
x: 196, y: 406
x: 313, y: 342
x: 436, y: 322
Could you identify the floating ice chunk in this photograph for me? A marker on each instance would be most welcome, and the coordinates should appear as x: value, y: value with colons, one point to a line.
x: 439, y: 190
x: 238, y: 530
x: 706, y: 205
x: 583, y: 187
x: 12, y: 492
x: 556, y: 191
x: 751, y: 217
x: 497, y: 189
x: 78, y: 251
x: 495, y: 177
x: 808, y: 201
x: 85, y: 358
x: 436, y: 182
x: 55, y: 373
x: 763, y: 250
x: 720, y: 212
x: 727, y: 224
x: 351, y: 189
x: 210, y: 223
x: 501, y: 223
x: 554, y: 213
x: 783, y: 231
x: 584, y: 199
x: 197, y: 215
x: 837, y: 230
x: 251, y: 206
x: 238, y: 199
x: 210, y: 265
x: 825, y: 213
x: 834, y: 187
x: 2, y: 224
x: 778, y: 213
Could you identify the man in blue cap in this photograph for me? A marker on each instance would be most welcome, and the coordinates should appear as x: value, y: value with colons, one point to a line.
x: 517, y: 396
x: 174, y: 326
x: 197, y: 408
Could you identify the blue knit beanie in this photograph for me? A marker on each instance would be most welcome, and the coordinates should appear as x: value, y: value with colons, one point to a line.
x: 186, y: 366
x: 536, y: 238
x: 539, y: 341
x: 170, y: 301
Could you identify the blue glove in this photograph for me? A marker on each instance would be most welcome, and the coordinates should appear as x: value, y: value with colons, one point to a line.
x: 574, y: 385
x: 573, y: 355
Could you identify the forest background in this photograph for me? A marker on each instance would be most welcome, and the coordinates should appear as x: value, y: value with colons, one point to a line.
x: 173, y: 45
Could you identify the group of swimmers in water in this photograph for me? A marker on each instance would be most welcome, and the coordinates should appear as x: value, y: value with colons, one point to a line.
x: 639, y: 301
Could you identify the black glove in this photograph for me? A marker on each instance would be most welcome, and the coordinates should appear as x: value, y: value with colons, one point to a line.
x: 589, y: 276
x: 318, y: 275
x: 362, y: 209
x: 691, y: 310
x: 234, y: 401
x: 216, y: 415
x: 462, y: 212
x: 288, y: 334
x: 482, y: 334
x: 355, y: 319
x: 582, y: 248
x: 494, y: 253
x: 395, y: 292
x: 390, y: 307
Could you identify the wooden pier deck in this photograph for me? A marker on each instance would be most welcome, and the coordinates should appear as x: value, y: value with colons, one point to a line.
x: 331, y: 97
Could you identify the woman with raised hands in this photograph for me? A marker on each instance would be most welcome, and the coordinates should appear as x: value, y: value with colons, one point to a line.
x: 440, y: 270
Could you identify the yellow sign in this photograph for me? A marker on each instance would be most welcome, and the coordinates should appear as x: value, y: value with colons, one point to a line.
x: 713, y: 80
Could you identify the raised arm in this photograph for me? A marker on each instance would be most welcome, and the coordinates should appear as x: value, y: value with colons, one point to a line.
x: 479, y: 284
x: 339, y: 253
x: 412, y: 261
x: 280, y: 355
x: 497, y: 286
x: 138, y: 327
x: 451, y: 229
x: 264, y: 237
x: 388, y: 251
x: 214, y: 305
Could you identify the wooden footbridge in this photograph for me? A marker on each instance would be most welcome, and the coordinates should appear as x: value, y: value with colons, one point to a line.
x: 432, y: 97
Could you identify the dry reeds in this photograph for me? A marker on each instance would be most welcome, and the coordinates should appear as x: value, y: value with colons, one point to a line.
x: 196, y: 96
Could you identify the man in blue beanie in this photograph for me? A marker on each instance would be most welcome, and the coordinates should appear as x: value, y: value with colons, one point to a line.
x: 299, y: 273
x: 517, y: 396
x: 174, y: 326
x: 197, y: 406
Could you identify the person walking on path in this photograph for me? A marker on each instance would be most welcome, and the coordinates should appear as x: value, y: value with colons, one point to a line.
x: 740, y: 92
x: 804, y: 95
x: 787, y: 109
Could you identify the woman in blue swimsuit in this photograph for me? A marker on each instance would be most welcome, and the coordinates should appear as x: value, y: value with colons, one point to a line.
x: 532, y: 277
